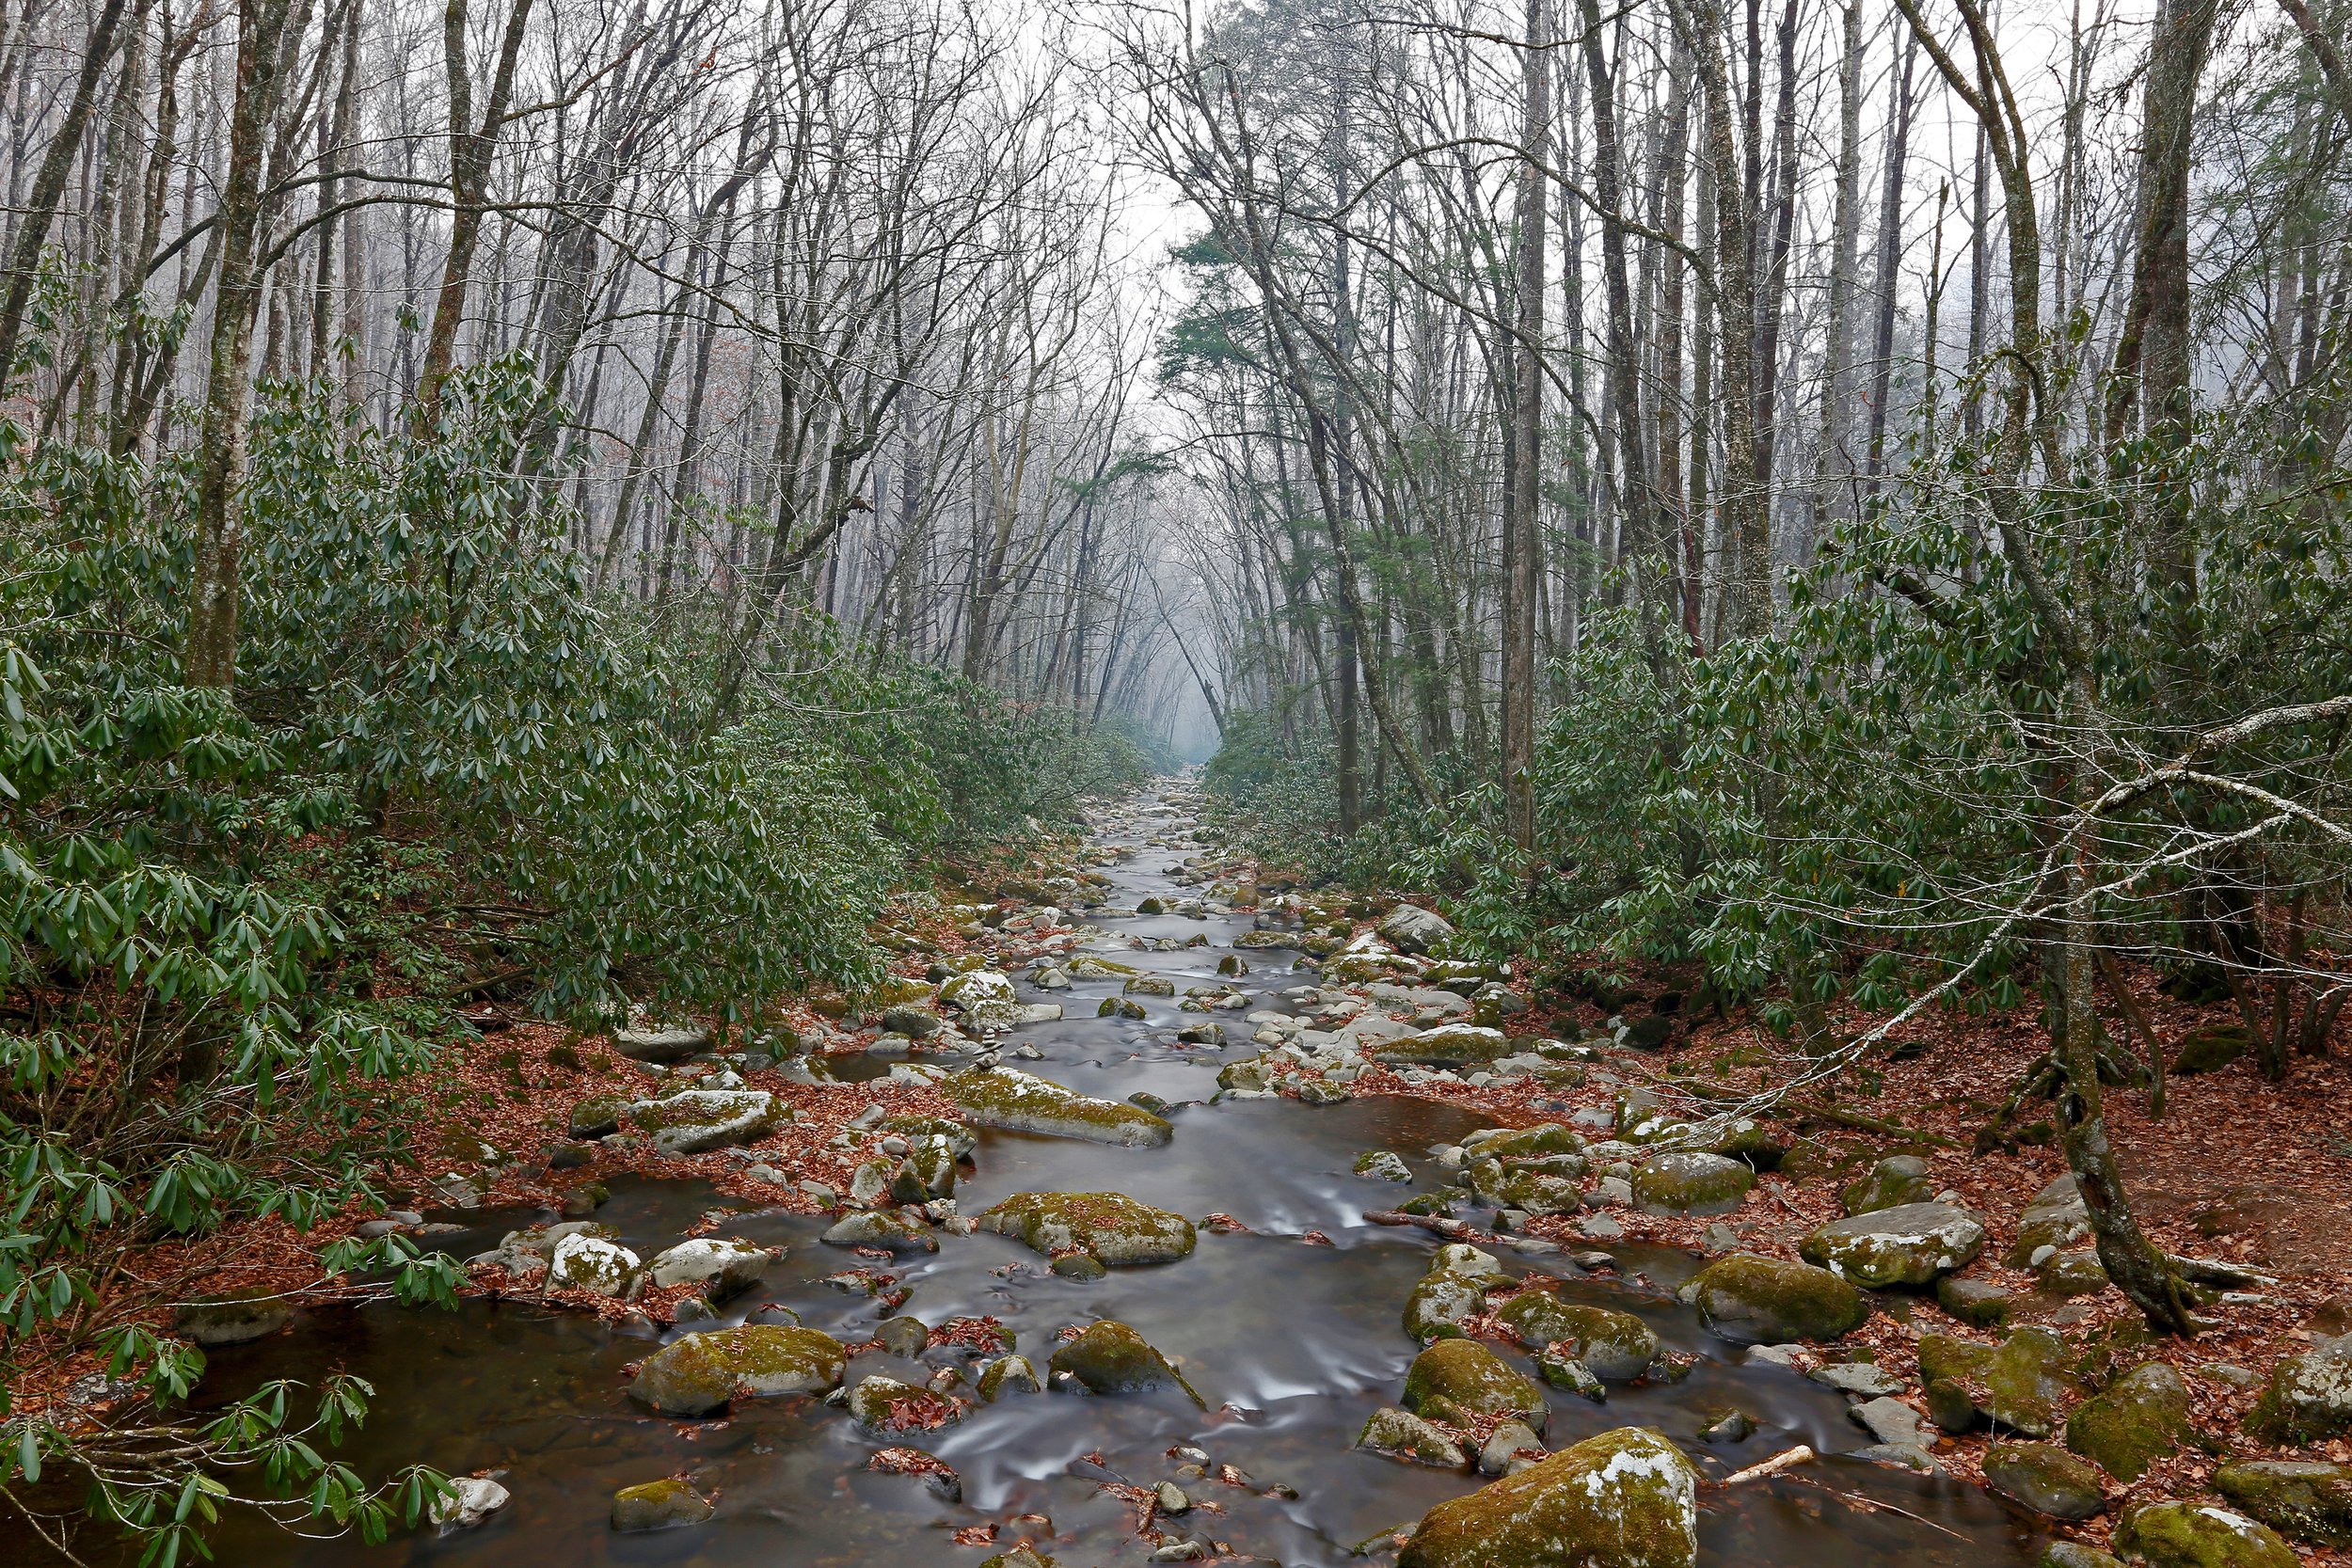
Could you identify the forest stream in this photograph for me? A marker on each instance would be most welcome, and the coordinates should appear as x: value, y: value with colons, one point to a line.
x: 1289, y: 1329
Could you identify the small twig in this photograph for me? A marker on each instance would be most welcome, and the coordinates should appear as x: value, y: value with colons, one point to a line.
x: 1773, y: 1467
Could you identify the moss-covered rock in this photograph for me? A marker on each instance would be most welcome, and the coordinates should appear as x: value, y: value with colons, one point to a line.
x: 1545, y: 1140
x: 1458, y: 1380
x: 657, y: 1505
x: 1533, y: 1192
x: 1402, y: 1434
x: 1021, y: 1102
x: 2310, y: 1499
x: 1148, y: 985
x: 591, y: 1263
x: 1440, y: 1302
x: 2174, y: 1534
x: 1979, y: 1303
x: 1113, y: 1227
x: 2044, y: 1478
x: 2023, y: 1383
x: 1625, y: 1498
x: 1452, y: 1045
x: 889, y: 1229
x: 695, y: 1121
x: 2074, y: 1554
x: 2056, y: 1218
x: 1382, y: 1164
x: 2211, y: 1048
x: 597, y: 1114
x: 233, y: 1318
x: 1892, y: 1182
x: 2142, y: 1416
x: 1768, y: 1301
x: 1612, y: 1344
x: 1008, y: 1374
x: 1692, y: 1183
x: 983, y: 996
x: 2309, y: 1398
x: 1111, y: 1358
x: 703, y: 1372
x: 1909, y: 1244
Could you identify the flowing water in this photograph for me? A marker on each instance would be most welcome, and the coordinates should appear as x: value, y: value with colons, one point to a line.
x: 1291, y: 1342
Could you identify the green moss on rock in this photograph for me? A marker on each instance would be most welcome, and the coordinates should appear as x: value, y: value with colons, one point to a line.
x: 657, y: 1505
x: 2138, y: 1420
x: 1610, y: 1344
x: 2044, y: 1478
x: 702, y: 1372
x: 2309, y: 1398
x: 2022, y: 1383
x: 1111, y: 1358
x: 1113, y: 1227
x: 1402, y: 1434
x: 1021, y: 1102
x: 1438, y: 1304
x: 1691, y: 1182
x: 2310, y: 1499
x: 1909, y: 1244
x: 1455, y: 1379
x: 1768, y: 1301
x: 1892, y: 1182
x: 2174, y: 1534
x: 1625, y: 1498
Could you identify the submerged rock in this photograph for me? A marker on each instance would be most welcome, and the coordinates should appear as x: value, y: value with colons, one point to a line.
x: 1402, y: 1434
x: 1770, y: 1301
x: 657, y: 1505
x: 2045, y: 1478
x: 1612, y: 1345
x: 1627, y: 1499
x: 1021, y: 1102
x: 1113, y: 1227
x: 703, y: 1372
x: 2173, y: 1534
x: 2141, y: 1417
x: 1111, y: 1358
x: 232, y: 1318
x: 2310, y: 1499
x: 1908, y: 1245
x: 1458, y: 1380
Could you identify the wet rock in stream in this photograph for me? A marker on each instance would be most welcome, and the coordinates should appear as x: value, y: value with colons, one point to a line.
x: 1023, y: 1103
x: 703, y: 1372
x: 1627, y: 1499
x: 1111, y: 1227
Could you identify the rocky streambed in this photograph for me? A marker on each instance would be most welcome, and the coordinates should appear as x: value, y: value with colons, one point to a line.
x: 1126, y: 1304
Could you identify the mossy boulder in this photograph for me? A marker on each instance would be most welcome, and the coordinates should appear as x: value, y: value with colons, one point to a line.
x: 983, y: 996
x: 1382, y: 1164
x: 2056, y: 1218
x: 1893, y: 1183
x: 1113, y: 1227
x: 703, y: 1372
x: 2211, y: 1048
x: 1008, y: 1374
x: 2023, y: 1383
x: 1770, y: 1301
x: 1533, y: 1192
x: 1612, y: 1344
x: 1450, y: 1045
x: 584, y: 1262
x: 1440, y: 1302
x: 1909, y: 1244
x: 1457, y: 1381
x: 1979, y: 1303
x: 1691, y: 1182
x: 1402, y: 1434
x: 599, y: 1115
x: 2309, y: 1398
x: 722, y: 1267
x: 2175, y: 1534
x: 2142, y: 1417
x: 661, y: 1044
x: 2044, y: 1478
x: 1544, y: 1141
x: 1625, y: 1498
x: 232, y: 1318
x: 657, y: 1505
x: 2310, y: 1499
x: 1021, y: 1102
x: 1111, y: 1358
x: 695, y: 1121
x: 2074, y: 1554
x: 889, y: 1229
x: 1411, y: 929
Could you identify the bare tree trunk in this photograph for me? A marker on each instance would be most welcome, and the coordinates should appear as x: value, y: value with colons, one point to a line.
x: 1745, y: 519
x: 1521, y: 532
x: 1833, y: 460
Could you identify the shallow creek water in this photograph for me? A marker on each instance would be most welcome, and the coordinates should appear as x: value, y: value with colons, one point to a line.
x: 1293, y: 1343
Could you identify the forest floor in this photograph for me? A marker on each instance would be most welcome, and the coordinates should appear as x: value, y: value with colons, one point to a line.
x: 2251, y: 1172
